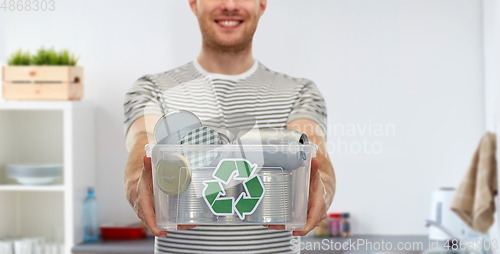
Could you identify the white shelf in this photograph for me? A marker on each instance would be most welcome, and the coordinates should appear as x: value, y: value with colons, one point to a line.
x: 42, y: 105
x: 17, y: 187
x: 47, y: 132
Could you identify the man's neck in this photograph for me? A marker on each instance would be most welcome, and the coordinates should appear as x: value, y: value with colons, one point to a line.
x: 229, y: 63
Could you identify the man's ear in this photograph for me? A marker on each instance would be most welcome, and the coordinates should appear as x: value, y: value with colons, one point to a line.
x: 263, y: 5
x: 194, y: 7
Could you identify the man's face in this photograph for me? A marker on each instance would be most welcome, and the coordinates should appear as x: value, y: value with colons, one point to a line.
x: 228, y: 25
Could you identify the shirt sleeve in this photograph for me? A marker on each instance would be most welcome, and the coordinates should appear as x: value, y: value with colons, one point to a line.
x: 141, y: 99
x: 310, y: 105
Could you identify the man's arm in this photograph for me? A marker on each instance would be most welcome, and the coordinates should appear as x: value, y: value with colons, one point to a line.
x: 138, y: 174
x: 322, y: 181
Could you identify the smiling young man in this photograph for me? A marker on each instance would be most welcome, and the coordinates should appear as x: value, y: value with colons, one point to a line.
x: 240, y: 87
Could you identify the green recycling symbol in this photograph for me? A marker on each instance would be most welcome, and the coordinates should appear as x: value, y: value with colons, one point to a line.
x: 248, y: 201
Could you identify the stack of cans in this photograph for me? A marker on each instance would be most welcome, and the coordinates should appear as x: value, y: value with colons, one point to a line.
x: 192, y: 207
x: 233, y: 189
x: 275, y: 207
x: 179, y: 175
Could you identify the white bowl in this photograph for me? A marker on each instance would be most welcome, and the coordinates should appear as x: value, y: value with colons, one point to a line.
x: 35, y: 180
x: 34, y: 174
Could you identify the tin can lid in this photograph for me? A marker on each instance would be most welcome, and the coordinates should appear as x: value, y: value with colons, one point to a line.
x: 202, y: 136
x: 173, y: 174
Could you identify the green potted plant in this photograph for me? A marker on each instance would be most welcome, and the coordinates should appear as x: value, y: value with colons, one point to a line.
x: 46, y: 75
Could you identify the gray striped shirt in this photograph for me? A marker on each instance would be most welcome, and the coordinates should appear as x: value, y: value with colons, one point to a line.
x: 257, y: 98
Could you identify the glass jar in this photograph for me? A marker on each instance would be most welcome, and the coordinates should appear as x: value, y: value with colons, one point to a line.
x: 335, y: 220
x: 345, y: 226
x: 322, y: 230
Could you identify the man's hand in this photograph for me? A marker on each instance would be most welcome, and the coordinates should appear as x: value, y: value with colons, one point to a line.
x: 317, y: 206
x: 143, y: 201
x: 139, y: 182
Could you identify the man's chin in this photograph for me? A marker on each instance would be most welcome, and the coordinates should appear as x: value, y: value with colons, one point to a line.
x: 231, y: 45
x: 227, y: 41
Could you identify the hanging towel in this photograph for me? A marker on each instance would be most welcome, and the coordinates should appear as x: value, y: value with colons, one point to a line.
x: 474, y: 198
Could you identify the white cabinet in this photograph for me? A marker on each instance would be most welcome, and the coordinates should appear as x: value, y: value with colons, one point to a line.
x: 46, y: 132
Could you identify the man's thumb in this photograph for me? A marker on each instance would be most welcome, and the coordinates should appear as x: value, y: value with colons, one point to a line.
x: 147, y: 162
x: 314, y: 166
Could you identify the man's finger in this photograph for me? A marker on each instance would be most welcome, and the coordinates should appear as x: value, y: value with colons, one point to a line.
x: 149, y: 215
x: 314, y: 213
x: 140, y: 215
x: 314, y: 167
x: 147, y: 162
x: 183, y: 227
x: 312, y: 219
x: 324, y: 216
x: 277, y: 227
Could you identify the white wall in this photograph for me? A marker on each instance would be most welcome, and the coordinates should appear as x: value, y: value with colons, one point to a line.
x: 413, y: 65
x: 2, y: 38
x: 491, y: 23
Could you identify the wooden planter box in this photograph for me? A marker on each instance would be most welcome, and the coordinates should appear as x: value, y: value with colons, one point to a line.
x: 42, y: 82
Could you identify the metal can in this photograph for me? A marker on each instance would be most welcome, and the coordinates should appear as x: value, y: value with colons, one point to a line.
x: 287, y: 156
x: 276, y: 204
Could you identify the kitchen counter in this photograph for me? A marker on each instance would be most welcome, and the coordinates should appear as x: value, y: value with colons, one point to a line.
x: 308, y: 245
x: 141, y: 246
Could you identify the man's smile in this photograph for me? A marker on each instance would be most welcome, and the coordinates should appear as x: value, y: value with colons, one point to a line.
x: 229, y: 22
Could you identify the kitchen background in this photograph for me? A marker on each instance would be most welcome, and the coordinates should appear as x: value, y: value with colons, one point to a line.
x: 420, y: 69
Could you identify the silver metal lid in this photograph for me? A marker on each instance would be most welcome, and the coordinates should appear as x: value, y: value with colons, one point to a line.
x: 174, y: 125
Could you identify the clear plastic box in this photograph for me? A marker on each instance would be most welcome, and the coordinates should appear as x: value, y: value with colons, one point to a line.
x: 231, y: 184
